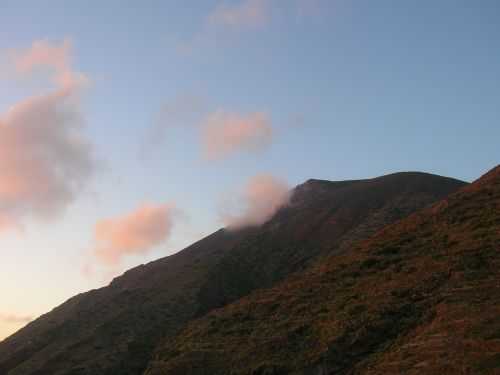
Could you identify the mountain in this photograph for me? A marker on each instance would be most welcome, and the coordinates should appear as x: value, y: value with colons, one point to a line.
x: 115, y: 329
x: 421, y: 296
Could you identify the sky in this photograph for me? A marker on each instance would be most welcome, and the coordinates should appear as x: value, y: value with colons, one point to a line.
x: 129, y: 130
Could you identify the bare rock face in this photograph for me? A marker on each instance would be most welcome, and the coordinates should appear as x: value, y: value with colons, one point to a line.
x: 115, y: 330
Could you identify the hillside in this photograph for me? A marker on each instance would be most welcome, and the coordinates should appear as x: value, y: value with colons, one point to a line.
x: 422, y: 296
x: 115, y: 329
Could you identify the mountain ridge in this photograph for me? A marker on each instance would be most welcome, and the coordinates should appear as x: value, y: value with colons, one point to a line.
x: 116, y: 328
x: 409, y: 299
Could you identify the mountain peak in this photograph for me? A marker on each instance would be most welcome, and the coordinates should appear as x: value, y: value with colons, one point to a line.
x: 419, y: 297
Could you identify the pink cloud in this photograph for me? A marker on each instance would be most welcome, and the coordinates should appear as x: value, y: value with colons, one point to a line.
x: 222, y: 133
x: 45, y: 160
x: 225, y: 133
x: 258, y: 201
x: 134, y: 233
x: 43, y: 53
x: 248, y: 13
x: 8, y: 223
x: 56, y: 58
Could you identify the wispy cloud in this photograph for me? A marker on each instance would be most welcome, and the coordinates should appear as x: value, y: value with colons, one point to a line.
x: 256, y: 202
x: 134, y: 233
x: 228, y: 20
x: 53, y: 57
x: 222, y: 133
x: 42, y: 53
x: 45, y: 160
x: 182, y: 112
x: 225, y: 133
x: 15, y: 318
x: 224, y: 22
x: 246, y: 14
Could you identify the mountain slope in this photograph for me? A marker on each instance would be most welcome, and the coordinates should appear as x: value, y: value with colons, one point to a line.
x: 420, y: 296
x: 114, y: 330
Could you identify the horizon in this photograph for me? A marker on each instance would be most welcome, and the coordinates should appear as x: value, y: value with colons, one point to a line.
x: 128, y: 132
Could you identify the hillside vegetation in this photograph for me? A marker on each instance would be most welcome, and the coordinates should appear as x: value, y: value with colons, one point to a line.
x: 422, y: 296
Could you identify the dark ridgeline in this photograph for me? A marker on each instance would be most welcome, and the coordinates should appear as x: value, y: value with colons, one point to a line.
x: 115, y: 330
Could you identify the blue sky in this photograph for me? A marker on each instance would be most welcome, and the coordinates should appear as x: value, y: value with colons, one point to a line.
x: 351, y: 89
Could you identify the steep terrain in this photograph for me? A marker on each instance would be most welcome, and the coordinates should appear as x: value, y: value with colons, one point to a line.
x: 114, y: 330
x: 422, y: 296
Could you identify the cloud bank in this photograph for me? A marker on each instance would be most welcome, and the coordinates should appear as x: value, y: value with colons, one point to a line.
x: 135, y: 233
x: 257, y: 202
x: 225, y: 133
x: 45, y: 160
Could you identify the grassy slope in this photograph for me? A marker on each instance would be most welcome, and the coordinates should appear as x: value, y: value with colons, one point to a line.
x: 421, y: 296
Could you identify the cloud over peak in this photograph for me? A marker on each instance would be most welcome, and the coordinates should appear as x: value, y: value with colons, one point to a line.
x: 257, y: 202
x: 134, y: 233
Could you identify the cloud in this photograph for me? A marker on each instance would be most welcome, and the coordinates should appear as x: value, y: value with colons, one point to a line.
x: 247, y: 14
x: 135, y: 233
x: 256, y: 203
x: 228, y: 20
x: 45, y: 160
x: 252, y: 14
x: 183, y: 111
x: 43, y: 53
x: 225, y: 133
x: 46, y: 55
x: 15, y: 319
x: 222, y: 133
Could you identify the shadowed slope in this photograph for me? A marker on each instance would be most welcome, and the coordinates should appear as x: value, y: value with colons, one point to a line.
x: 113, y: 330
x: 421, y: 296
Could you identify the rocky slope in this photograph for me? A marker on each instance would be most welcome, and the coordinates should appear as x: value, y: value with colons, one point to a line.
x: 114, y: 330
x: 422, y: 296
